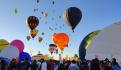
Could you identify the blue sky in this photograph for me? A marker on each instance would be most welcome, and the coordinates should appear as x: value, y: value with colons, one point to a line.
x: 97, y: 14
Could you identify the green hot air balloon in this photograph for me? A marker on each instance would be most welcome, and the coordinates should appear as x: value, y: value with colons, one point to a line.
x: 86, y: 42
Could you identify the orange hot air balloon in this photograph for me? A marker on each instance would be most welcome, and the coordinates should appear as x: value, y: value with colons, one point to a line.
x: 61, y: 40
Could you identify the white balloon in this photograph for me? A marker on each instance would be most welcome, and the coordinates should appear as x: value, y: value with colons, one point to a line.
x: 107, y: 43
x: 10, y: 52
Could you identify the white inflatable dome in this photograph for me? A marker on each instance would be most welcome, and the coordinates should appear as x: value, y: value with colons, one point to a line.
x: 106, y: 44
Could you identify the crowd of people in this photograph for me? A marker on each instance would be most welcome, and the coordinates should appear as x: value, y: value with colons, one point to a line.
x: 93, y: 64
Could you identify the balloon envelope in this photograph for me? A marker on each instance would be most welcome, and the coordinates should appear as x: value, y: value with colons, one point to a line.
x: 28, y: 38
x: 33, y: 33
x: 19, y: 44
x: 33, y: 22
x: 3, y: 44
x: 106, y: 43
x: 10, y: 52
x: 15, y: 11
x: 37, y: 1
x: 24, y: 55
x: 73, y: 16
x: 85, y: 43
x: 61, y: 40
x: 52, y: 48
x: 46, y: 14
x: 43, y: 33
x: 40, y: 39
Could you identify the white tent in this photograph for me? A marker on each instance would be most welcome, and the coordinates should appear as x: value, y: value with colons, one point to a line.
x: 106, y: 44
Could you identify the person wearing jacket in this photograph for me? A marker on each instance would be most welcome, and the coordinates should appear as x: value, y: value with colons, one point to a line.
x: 73, y: 66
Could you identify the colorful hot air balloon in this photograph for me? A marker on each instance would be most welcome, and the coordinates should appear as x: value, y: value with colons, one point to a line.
x: 86, y: 42
x: 33, y: 33
x: 25, y: 55
x: 19, y: 44
x: 43, y: 33
x: 10, y: 52
x: 61, y: 40
x: 40, y: 39
x: 3, y: 44
x: 45, y: 14
x: 28, y: 38
x: 107, y: 43
x: 52, y: 48
x: 53, y: 2
x: 35, y: 10
x: 60, y: 17
x: 42, y: 12
x: 33, y: 22
x: 73, y: 16
x: 37, y: 1
x: 15, y: 10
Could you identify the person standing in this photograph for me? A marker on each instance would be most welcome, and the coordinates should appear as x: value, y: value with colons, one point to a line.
x: 95, y: 64
x: 115, y: 65
x: 34, y: 65
x: 43, y: 65
x: 73, y: 66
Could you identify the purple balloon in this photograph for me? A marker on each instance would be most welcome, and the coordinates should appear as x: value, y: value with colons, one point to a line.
x: 19, y: 44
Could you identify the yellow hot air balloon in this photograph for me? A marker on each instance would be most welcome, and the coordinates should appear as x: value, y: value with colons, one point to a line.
x: 3, y: 44
x: 33, y: 33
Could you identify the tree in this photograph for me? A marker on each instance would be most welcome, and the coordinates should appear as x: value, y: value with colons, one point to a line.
x: 76, y: 56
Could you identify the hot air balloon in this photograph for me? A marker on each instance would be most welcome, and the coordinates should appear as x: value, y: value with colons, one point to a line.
x: 10, y: 52
x: 50, y: 28
x: 45, y: 14
x: 15, y: 11
x: 32, y: 22
x: 25, y: 55
x: 3, y: 44
x: 60, y: 17
x: 61, y: 40
x: 106, y: 43
x: 19, y: 44
x: 43, y: 33
x: 40, y: 39
x: 42, y: 12
x: 52, y: 48
x: 86, y: 42
x: 33, y: 33
x: 37, y: 1
x: 28, y: 38
x: 35, y: 10
x: 53, y: 2
x: 73, y: 16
